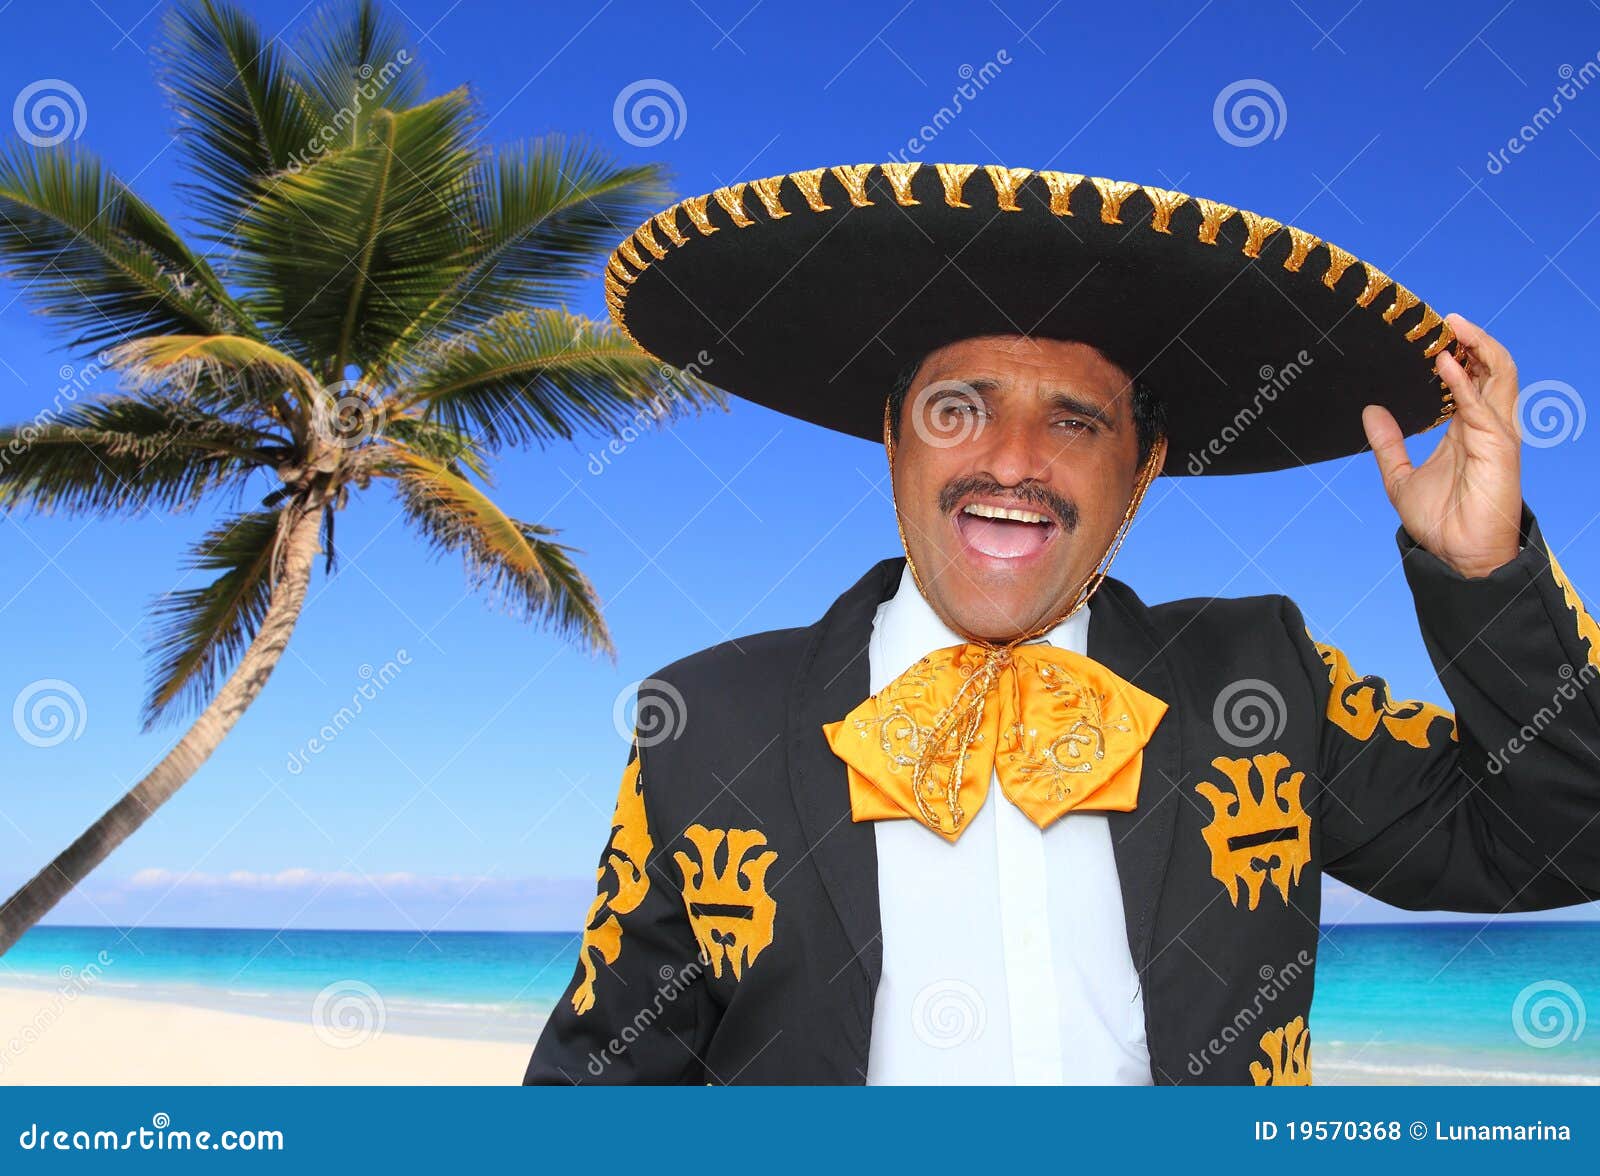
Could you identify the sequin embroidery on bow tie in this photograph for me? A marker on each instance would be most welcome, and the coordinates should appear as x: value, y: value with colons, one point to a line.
x: 1059, y: 731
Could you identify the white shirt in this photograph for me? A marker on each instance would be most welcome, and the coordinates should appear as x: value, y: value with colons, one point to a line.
x: 1005, y: 955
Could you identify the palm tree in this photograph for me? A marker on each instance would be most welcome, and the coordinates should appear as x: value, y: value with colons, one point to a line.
x: 380, y: 299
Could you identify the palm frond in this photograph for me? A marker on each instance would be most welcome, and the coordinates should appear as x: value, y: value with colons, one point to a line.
x: 127, y: 452
x: 516, y: 562
x: 231, y: 372
x: 200, y: 632
x: 547, y: 375
x: 344, y: 255
x: 457, y: 451
x: 546, y: 212
x: 92, y: 255
x: 552, y: 208
x: 243, y: 116
x: 358, y: 60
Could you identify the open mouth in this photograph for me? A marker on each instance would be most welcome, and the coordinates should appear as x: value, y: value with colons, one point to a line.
x: 1004, y: 532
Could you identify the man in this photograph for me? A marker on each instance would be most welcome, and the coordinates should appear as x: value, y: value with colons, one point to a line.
x: 993, y: 818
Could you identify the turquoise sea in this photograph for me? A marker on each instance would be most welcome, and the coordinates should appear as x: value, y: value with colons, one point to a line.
x: 1424, y: 1003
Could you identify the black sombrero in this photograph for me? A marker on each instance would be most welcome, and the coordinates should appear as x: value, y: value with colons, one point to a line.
x: 808, y: 292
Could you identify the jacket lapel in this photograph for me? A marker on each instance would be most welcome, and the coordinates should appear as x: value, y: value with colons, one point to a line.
x: 832, y: 679
x: 1120, y: 638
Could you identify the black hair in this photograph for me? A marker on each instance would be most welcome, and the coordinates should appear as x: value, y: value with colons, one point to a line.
x: 1149, y: 410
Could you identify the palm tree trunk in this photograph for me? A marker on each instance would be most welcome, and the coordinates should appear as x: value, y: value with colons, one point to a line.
x: 51, y: 884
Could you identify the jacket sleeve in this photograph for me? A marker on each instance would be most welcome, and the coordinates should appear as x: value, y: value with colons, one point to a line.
x: 637, y: 1008
x: 1492, y: 808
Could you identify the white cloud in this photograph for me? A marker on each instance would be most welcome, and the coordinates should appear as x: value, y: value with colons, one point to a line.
x: 402, y: 884
x: 299, y: 896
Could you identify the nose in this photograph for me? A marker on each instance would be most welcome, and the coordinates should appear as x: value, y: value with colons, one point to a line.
x: 1019, y: 450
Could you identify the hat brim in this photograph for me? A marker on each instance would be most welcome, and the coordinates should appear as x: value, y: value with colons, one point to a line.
x: 809, y: 292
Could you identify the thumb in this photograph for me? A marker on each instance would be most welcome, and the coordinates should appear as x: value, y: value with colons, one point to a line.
x: 1388, y: 446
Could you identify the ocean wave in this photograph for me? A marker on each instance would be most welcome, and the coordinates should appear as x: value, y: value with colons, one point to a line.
x: 1432, y: 1072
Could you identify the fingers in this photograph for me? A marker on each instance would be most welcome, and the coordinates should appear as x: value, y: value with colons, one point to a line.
x: 1476, y: 338
x: 1388, y: 446
x: 1489, y: 375
x: 1469, y: 400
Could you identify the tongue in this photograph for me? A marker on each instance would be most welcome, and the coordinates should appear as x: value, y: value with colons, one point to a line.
x: 1002, y: 538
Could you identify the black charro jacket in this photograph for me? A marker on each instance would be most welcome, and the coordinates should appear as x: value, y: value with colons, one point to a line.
x: 765, y: 970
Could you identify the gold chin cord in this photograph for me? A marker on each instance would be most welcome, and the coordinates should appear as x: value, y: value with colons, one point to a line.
x: 963, y: 719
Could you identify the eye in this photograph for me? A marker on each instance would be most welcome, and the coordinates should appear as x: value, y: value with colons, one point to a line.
x: 958, y: 406
x: 1077, y: 425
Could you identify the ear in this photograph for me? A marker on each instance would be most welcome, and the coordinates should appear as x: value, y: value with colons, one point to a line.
x: 1158, y: 453
x: 1157, y: 458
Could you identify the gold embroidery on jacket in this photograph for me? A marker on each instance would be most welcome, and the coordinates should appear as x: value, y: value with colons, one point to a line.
x: 1254, y: 841
x: 1588, y: 630
x: 1289, y: 1050
x: 624, y: 859
x: 1359, y: 704
x: 730, y: 910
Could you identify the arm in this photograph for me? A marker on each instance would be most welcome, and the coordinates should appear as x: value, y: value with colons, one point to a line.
x: 636, y: 1009
x: 1501, y: 811
x: 1497, y: 806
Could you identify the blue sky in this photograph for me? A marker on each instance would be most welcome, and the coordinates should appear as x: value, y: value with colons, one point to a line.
x: 475, y: 789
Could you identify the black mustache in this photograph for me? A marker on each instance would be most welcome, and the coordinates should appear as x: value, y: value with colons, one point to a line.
x: 1023, y: 494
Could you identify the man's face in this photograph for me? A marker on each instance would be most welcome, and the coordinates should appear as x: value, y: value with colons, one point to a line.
x: 1015, y: 464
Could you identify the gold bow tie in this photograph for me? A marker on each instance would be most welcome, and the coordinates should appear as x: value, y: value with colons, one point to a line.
x: 1060, y: 730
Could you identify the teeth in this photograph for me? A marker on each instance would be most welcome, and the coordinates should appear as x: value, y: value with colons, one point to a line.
x: 1000, y: 512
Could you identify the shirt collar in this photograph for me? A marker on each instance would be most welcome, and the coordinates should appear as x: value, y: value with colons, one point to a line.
x: 906, y: 628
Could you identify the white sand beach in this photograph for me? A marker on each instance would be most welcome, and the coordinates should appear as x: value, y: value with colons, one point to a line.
x: 98, y: 1039
x: 95, y: 1039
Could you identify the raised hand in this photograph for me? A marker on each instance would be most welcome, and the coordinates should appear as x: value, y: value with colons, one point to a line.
x: 1464, y: 504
